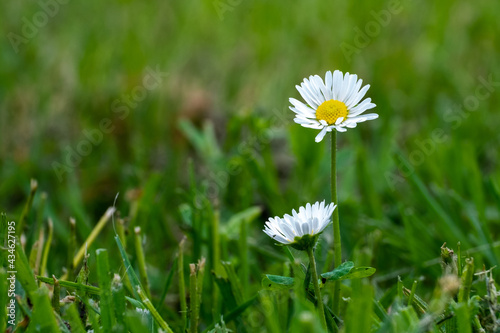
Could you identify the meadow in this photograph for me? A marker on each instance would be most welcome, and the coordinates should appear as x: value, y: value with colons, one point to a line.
x: 143, y: 146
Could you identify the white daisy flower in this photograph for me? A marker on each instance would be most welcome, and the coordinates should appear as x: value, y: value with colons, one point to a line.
x: 301, y: 229
x: 332, y: 104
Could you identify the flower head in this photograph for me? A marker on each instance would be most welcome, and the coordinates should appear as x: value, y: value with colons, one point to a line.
x: 332, y: 104
x: 300, y: 230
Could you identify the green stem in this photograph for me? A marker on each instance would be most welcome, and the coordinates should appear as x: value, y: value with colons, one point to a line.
x: 193, y: 295
x: 337, y: 246
x: 141, y: 259
x: 317, y: 291
x: 182, y: 286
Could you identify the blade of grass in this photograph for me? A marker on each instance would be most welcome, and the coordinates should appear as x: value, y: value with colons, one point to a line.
x: 27, y: 206
x: 141, y: 260
x: 40, y: 212
x: 93, y: 235
x: 465, y: 286
x: 61, y: 323
x: 134, y: 280
x: 118, y: 295
x: 42, y: 317
x: 412, y: 293
x: 359, y: 312
x: 243, y: 250
x: 193, y: 326
x: 138, y: 290
x: 214, y: 259
x: 71, y: 285
x: 104, y: 279
x: 120, y: 230
x: 463, y: 318
x: 147, y: 303
x: 3, y: 239
x: 3, y: 299
x: 417, y: 301
x: 168, y: 283
x: 199, y: 284
x: 56, y: 293
x: 24, y: 274
x: 182, y: 286
x: 35, y: 256
x: 71, y: 250
x: 82, y: 300
x: 230, y: 316
x: 46, y: 248
x: 432, y: 202
x: 234, y: 281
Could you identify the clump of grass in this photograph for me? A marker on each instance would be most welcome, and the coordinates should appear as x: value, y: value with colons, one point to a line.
x: 116, y: 293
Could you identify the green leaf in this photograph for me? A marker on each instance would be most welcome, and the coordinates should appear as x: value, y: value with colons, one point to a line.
x: 347, y: 271
x: 277, y: 282
x: 339, y: 272
x: 343, y: 272
x: 358, y: 273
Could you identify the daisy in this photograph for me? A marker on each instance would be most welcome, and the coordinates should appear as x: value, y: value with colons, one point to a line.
x: 301, y: 229
x: 332, y: 104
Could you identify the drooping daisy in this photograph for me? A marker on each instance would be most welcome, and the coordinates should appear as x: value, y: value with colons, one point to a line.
x: 332, y: 104
x: 300, y: 230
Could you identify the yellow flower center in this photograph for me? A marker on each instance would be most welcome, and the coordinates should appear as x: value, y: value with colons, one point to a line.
x: 331, y: 110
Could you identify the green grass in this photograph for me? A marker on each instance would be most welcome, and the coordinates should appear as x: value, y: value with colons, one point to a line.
x: 211, y: 151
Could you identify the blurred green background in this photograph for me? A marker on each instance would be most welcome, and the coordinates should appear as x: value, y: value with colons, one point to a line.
x: 227, y: 69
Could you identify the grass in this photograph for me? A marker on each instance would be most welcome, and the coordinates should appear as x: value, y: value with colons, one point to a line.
x: 211, y: 152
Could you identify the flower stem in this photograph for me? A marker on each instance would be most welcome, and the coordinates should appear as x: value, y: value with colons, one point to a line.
x: 337, y: 246
x: 317, y: 291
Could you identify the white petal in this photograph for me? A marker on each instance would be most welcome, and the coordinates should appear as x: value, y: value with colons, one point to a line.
x: 298, y: 229
x: 313, y: 91
x: 307, y: 97
x: 364, y: 117
x: 321, y: 134
x: 329, y: 84
x: 353, y: 79
x: 306, y: 227
x: 345, y: 86
x: 302, y: 108
x: 315, y: 226
x: 287, y: 231
x: 354, y: 100
x: 361, y: 107
x: 280, y: 239
x: 340, y: 129
x: 308, y: 210
x: 337, y: 84
x: 321, y: 86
